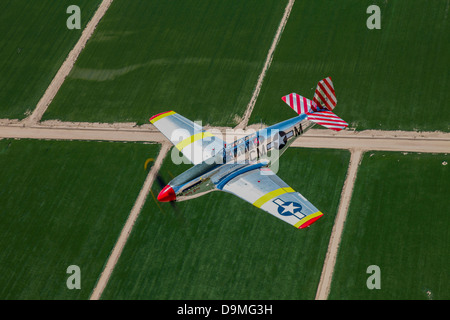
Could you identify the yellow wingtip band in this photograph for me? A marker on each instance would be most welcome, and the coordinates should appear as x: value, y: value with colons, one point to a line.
x: 160, y: 116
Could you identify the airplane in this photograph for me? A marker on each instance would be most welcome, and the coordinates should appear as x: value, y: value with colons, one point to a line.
x: 243, y: 168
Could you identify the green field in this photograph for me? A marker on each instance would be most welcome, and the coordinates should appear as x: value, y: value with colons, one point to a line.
x: 220, y: 247
x: 62, y: 204
x: 34, y: 43
x: 398, y: 220
x: 395, y: 78
x: 201, y: 59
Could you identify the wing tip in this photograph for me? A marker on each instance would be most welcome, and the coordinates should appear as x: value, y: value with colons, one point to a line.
x: 309, y: 220
x: 156, y: 117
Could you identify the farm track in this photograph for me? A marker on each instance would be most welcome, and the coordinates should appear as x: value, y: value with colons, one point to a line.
x: 430, y: 142
x: 323, y: 288
x: 126, y: 230
x: 267, y: 64
x: 68, y: 64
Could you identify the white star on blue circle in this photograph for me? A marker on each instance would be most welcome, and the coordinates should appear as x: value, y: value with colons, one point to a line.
x: 289, y: 208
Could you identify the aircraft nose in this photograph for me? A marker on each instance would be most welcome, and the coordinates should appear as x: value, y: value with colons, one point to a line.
x: 167, y: 194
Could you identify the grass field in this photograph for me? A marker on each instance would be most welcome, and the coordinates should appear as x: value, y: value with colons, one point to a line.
x: 395, y: 78
x: 34, y: 43
x: 62, y: 204
x: 220, y: 247
x: 398, y: 219
x: 199, y: 58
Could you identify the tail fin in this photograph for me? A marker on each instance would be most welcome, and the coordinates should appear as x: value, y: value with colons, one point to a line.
x: 325, y: 95
x: 319, y: 109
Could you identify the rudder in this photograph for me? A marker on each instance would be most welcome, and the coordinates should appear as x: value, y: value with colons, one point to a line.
x: 325, y: 95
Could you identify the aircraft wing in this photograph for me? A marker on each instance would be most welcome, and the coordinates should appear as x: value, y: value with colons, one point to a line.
x: 264, y: 189
x: 187, y: 136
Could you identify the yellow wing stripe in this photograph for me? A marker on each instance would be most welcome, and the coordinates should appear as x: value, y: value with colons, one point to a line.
x: 163, y: 115
x: 272, y: 194
x: 307, y: 218
x: 198, y: 136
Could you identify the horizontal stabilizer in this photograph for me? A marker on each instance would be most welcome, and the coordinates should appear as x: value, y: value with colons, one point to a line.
x: 299, y: 104
x: 327, y: 119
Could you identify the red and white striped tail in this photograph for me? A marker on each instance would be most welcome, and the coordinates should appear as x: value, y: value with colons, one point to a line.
x: 325, y: 95
x: 319, y: 109
x: 300, y: 104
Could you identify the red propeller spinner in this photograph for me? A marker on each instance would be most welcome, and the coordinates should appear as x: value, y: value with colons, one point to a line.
x: 167, y: 194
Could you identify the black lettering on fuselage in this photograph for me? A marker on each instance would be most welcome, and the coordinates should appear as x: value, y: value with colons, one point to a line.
x: 298, y: 131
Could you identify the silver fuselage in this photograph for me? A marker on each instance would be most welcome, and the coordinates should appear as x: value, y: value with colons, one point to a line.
x: 259, y: 149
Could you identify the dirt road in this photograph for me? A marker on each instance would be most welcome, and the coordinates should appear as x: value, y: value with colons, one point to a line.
x: 267, y: 63
x: 126, y: 230
x: 65, y: 68
x: 330, y: 259
x: 431, y: 142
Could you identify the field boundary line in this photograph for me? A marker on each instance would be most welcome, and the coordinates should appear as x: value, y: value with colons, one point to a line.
x: 268, y: 62
x: 67, y: 65
x: 326, y: 277
x: 126, y: 230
